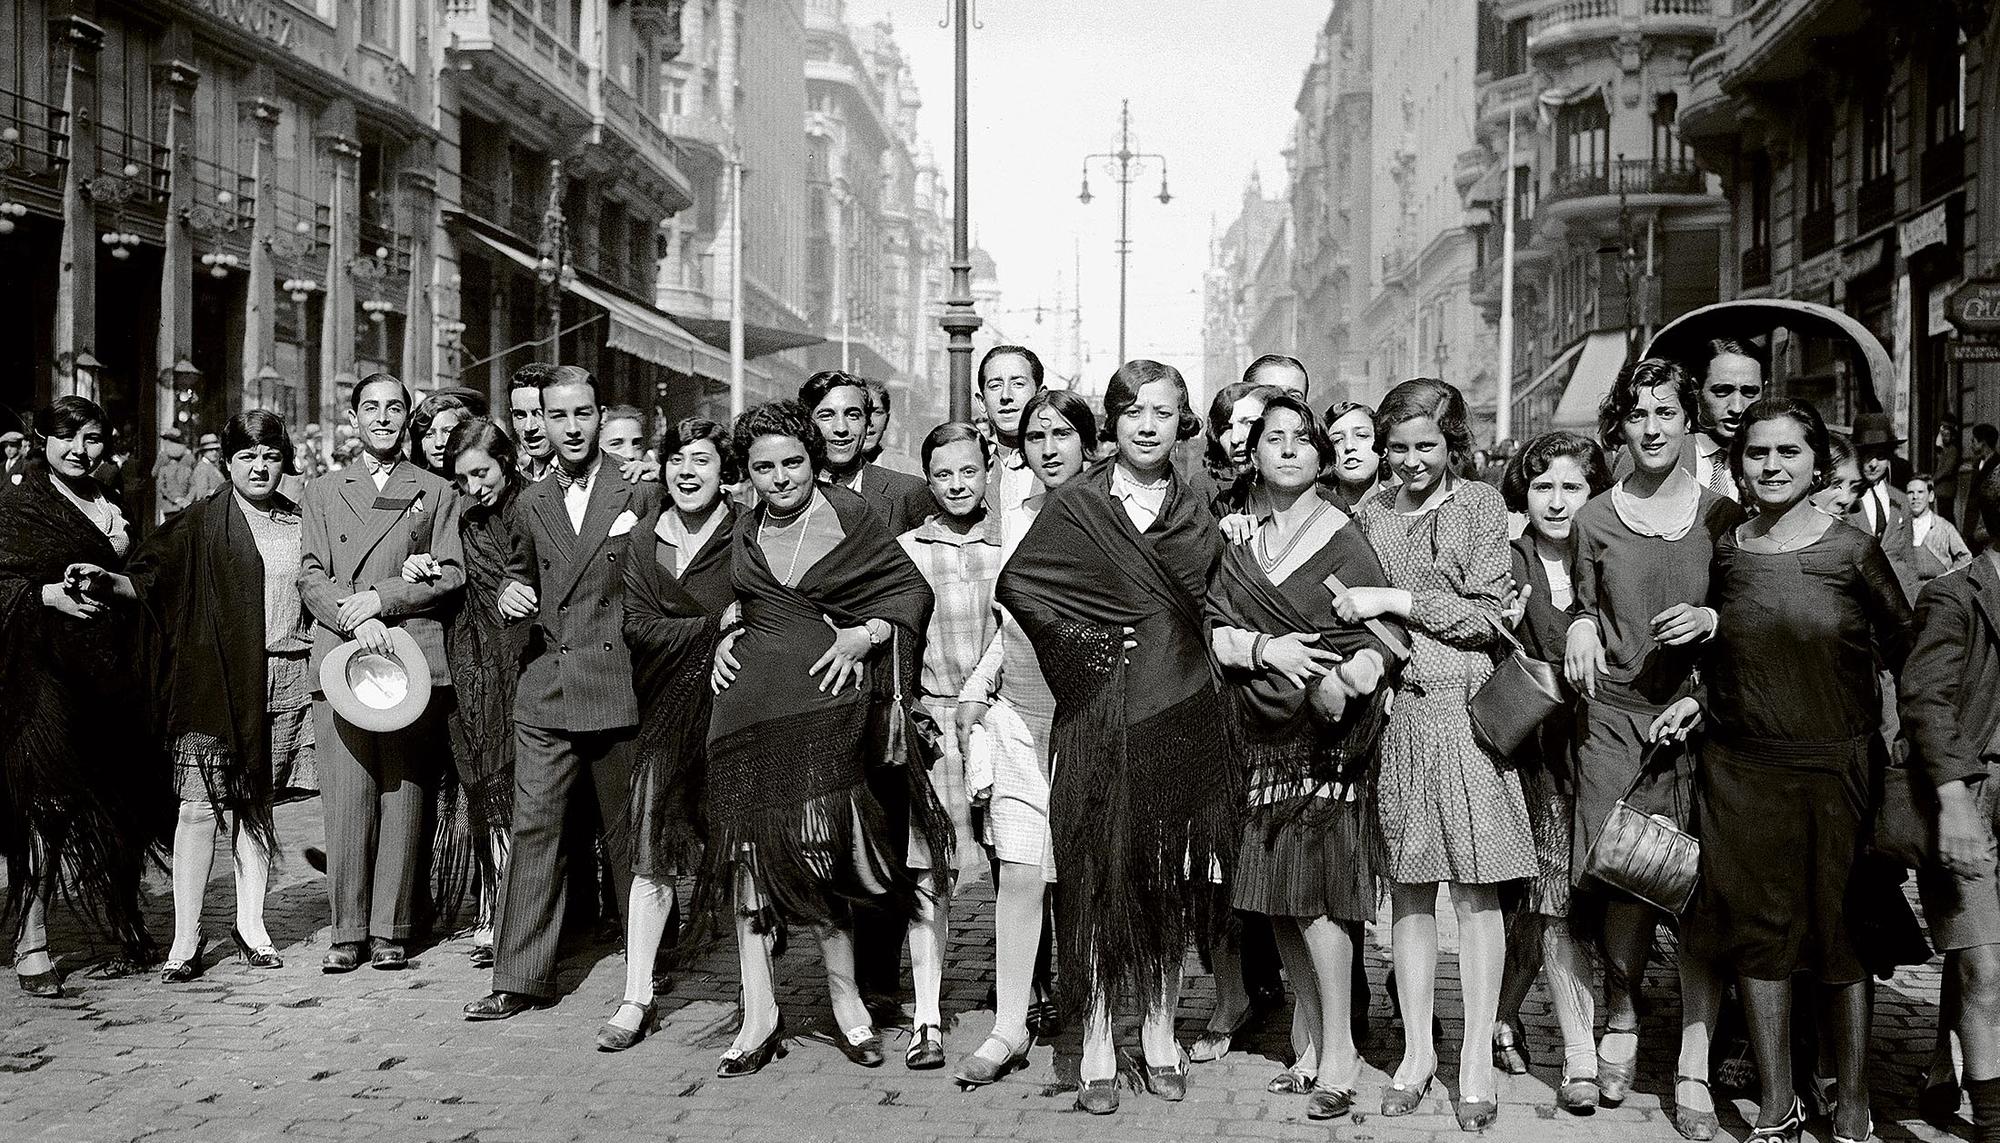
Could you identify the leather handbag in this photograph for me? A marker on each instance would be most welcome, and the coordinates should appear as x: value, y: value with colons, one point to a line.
x: 1647, y: 855
x: 1906, y: 818
x: 1514, y: 701
x: 907, y: 730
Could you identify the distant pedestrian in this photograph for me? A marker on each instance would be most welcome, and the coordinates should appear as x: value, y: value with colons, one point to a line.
x: 1938, y: 548
x: 173, y: 475
x: 209, y: 477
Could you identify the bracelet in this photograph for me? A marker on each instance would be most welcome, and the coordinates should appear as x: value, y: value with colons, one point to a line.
x: 1257, y: 651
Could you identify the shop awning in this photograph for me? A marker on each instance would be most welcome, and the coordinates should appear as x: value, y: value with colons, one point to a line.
x: 1597, y: 366
x: 758, y: 340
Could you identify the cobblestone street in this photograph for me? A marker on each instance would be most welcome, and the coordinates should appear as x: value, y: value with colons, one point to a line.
x: 246, y: 1055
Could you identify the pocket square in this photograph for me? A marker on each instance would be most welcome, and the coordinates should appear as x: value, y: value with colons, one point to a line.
x: 622, y: 524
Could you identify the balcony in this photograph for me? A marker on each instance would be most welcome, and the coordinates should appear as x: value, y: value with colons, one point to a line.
x: 1943, y: 166
x: 1655, y: 182
x: 1754, y: 268
x: 1706, y: 110
x: 495, y: 37
x: 1816, y: 231
x: 650, y: 142
x: 221, y: 203
x: 1469, y: 167
x: 1576, y: 21
x: 1499, y: 98
x: 698, y: 130
x: 1874, y: 203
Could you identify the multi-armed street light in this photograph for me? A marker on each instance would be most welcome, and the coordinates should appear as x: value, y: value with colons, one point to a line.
x: 1124, y: 166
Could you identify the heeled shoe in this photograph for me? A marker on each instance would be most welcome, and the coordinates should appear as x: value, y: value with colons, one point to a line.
x: 613, y: 1038
x: 1821, y: 1096
x: 1329, y: 1102
x: 1510, y: 1048
x: 1477, y: 1114
x: 976, y: 1070
x: 1866, y: 1136
x: 1400, y: 1100
x: 1170, y: 1081
x: 482, y: 957
x: 263, y: 956
x: 867, y: 1052
x: 1215, y: 1043
x: 182, y: 971
x: 1292, y: 1081
x: 1578, y: 1095
x: 1614, y: 1079
x: 1692, y: 1124
x: 48, y: 985
x: 1098, y: 1097
x: 737, y: 1063
x: 1044, y: 1020
x: 1786, y: 1130
x: 926, y: 1050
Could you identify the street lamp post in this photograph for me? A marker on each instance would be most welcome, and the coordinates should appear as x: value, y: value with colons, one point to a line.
x: 552, y: 266
x: 1119, y: 166
x: 1629, y: 265
x: 959, y: 320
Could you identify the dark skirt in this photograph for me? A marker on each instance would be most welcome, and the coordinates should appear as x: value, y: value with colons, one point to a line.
x: 1611, y: 750
x: 1307, y: 857
x: 1781, y: 830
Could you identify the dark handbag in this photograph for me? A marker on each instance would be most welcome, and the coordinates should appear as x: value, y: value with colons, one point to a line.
x: 1906, y: 818
x: 907, y: 731
x: 1516, y: 699
x: 1646, y: 855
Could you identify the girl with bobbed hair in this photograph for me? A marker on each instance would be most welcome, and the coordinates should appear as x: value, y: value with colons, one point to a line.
x: 1141, y: 807
x: 431, y: 423
x: 826, y: 600
x: 1448, y: 812
x: 81, y: 790
x: 1643, y: 554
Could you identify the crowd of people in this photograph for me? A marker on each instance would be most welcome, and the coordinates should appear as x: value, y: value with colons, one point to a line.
x: 1670, y: 675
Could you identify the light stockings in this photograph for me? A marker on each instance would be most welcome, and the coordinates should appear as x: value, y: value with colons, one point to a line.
x: 491, y: 877
x: 930, y: 929
x: 1017, y: 935
x: 753, y: 954
x: 1628, y: 940
x: 648, y: 913
x: 195, y: 827
x: 1482, y: 956
x: 31, y: 940
x: 1318, y: 954
x: 1536, y: 945
x: 1156, y: 1033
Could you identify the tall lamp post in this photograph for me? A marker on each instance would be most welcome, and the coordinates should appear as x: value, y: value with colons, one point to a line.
x: 1124, y: 166
x: 959, y: 321
x: 1630, y: 265
x: 552, y: 266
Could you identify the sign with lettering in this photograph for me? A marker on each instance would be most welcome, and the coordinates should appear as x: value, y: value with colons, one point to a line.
x: 1975, y: 306
x: 1974, y: 350
x: 1924, y: 231
x: 258, y: 17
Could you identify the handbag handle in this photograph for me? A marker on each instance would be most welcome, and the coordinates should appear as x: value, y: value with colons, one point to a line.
x: 1376, y: 627
x: 1647, y: 760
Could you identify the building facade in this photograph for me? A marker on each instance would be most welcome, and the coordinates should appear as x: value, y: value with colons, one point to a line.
x: 1617, y: 227
x: 1851, y: 140
x: 1231, y: 307
x: 1330, y: 194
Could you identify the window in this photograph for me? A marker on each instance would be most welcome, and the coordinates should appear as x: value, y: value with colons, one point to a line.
x: 1669, y: 153
x: 378, y: 22
x: 1877, y: 139
x: 1944, y: 86
x: 674, y: 97
x: 1818, y: 173
x: 1583, y: 136
x: 1760, y: 200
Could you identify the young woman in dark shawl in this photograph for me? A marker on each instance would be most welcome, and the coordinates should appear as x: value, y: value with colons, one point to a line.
x: 79, y: 795
x: 1308, y: 693
x: 226, y: 666
x: 483, y: 651
x: 1144, y: 799
x: 677, y: 586
x: 800, y: 680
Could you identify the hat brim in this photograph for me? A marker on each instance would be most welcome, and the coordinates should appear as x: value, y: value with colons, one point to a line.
x: 383, y: 710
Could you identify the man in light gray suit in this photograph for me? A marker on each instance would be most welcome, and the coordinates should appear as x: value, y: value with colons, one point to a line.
x: 575, y: 709
x: 358, y: 527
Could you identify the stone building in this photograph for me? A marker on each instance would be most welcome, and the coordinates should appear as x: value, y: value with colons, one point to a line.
x: 1230, y: 304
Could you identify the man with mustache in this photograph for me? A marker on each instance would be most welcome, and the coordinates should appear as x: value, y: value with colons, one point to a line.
x: 1009, y: 377
x: 524, y: 405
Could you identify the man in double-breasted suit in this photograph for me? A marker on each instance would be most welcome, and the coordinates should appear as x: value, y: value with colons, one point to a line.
x: 358, y: 526
x: 574, y: 711
x: 1883, y: 510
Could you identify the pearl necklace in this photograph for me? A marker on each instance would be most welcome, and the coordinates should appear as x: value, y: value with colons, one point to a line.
x: 804, y: 526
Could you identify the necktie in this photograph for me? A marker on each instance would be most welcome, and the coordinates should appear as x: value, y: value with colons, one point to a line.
x: 566, y: 479
x: 1881, y: 513
x: 377, y: 467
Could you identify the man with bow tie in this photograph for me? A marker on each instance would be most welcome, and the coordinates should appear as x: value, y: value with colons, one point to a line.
x: 575, y: 709
x: 358, y: 526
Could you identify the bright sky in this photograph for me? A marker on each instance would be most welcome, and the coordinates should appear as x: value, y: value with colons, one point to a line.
x: 1211, y: 84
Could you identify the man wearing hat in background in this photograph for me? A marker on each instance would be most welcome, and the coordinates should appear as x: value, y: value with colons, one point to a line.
x: 208, y: 475
x: 173, y: 475
x: 13, y: 455
x: 575, y: 710
x: 1883, y: 511
x: 358, y: 527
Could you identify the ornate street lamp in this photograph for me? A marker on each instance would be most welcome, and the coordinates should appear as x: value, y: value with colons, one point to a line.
x: 1124, y: 166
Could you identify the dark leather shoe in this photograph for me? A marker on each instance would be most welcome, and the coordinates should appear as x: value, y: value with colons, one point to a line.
x: 1329, y: 1102
x: 612, y: 1038
x: 1477, y: 1114
x: 867, y: 1053
x: 1098, y: 1097
x: 344, y: 956
x: 737, y: 1063
x: 502, y: 1005
x: 926, y: 1049
x: 482, y: 956
x: 976, y: 1070
x: 46, y: 985
x: 1578, y: 1095
x: 1169, y: 1082
x: 387, y: 955
x: 263, y: 956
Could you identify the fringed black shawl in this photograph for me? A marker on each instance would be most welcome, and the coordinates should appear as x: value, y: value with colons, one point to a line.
x: 1145, y: 794
x: 785, y: 761
x: 79, y: 779
x: 671, y: 624
x: 1277, y: 726
x: 200, y: 580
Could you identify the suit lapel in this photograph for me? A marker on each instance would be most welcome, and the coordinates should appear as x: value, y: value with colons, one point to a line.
x: 1986, y: 592
x: 549, y: 507
x: 375, y: 523
x: 608, y: 496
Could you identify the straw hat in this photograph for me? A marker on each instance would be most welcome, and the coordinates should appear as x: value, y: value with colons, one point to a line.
x: 377, y: 692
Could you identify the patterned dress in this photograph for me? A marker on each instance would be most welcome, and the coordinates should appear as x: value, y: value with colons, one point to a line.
x: 1446, y: 809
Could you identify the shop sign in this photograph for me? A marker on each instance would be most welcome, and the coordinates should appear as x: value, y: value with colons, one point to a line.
x: 1936, y: 320
x: 1924, y: 231
x: 258, y: 17
x: 1975, y: 349
x: 1975, y: 306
